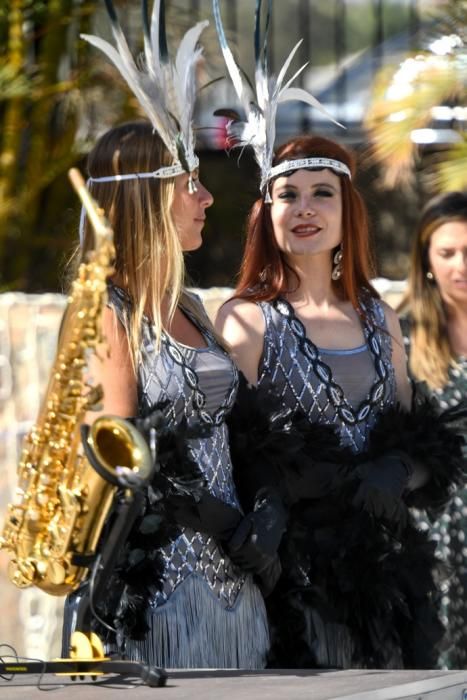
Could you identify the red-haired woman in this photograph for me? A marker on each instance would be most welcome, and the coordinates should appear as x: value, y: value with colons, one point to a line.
x: 304, y: 282
x: 357, y: 587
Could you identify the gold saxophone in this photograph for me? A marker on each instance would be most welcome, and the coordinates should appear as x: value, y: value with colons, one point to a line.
x: 54, y: 524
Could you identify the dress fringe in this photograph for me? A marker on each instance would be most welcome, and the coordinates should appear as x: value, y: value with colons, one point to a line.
x: 193, y: 630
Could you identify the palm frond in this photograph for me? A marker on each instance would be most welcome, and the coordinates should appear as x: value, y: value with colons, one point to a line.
x: 454, y: 19
x: 451, y: 172
x: 13, y: 83
x: 403, y: 102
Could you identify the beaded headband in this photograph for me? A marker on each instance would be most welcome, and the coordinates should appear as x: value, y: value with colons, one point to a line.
x: 315, y: 162
x: 165, y: 172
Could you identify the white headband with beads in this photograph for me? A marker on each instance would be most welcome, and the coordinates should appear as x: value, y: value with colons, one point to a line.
x: 165, y: 172
x: 315, y: 162
x: 288, y: 166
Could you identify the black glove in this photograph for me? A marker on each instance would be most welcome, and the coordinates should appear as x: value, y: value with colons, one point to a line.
x: 383, y: 483
x: 258, y: 536
x: 251, y: 541
x: 204, y: 513
x: 254, y: 544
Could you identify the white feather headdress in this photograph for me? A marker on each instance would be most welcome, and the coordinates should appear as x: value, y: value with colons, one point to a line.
x: 260, y: 103
x: 166, y: 90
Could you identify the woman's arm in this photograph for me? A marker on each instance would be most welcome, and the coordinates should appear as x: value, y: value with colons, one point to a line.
x: 111, y: 367
x: 399, y: 359
x: 241, y: 323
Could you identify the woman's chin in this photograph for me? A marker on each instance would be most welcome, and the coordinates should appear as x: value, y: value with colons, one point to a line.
x: 192, y: 244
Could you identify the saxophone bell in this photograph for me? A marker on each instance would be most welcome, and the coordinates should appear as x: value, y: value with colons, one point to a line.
x: 117, y: 451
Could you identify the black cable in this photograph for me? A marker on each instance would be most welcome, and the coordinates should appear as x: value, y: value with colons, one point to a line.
x: 91, y: 597
x: 8, y: 646
x: 21, y: 659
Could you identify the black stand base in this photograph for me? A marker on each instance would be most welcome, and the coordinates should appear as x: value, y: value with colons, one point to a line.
x: 82, y: 668
x: 87, y: 660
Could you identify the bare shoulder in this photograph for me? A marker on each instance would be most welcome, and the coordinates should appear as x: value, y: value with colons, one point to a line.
x: 242, y: 325
x: 112, y: 368
x: 239, y: 310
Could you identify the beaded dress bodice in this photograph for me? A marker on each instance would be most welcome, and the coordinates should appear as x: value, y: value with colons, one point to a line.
x: 203, y: 612
x: 199, y: 385
x: 345, y: 388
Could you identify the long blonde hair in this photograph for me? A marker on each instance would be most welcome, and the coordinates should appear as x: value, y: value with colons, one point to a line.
x: 431, y: 354
x: 149, y: 262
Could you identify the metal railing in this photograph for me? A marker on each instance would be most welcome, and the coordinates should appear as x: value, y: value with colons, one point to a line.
x: 348, y: 69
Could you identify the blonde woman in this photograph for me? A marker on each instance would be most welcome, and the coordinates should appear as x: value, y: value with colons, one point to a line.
x: 435, y: 329
x: 199, y: 609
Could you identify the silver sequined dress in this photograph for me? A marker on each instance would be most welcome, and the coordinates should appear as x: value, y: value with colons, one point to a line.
x: 208, y: 613
x: 343, y: 388
x: 346, y: 389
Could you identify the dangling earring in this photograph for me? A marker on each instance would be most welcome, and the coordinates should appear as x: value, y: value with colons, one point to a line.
x: 429, y: 276
x: 338, y: 268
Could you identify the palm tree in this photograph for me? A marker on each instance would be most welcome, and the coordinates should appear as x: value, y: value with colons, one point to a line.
x: 39, y: 113
x: 407, y: 101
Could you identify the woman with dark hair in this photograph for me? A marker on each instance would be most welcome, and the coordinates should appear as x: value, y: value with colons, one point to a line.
x: 312, y: 242
x: 307, y: 327
x: 435, y: 332
x: 324, y: 426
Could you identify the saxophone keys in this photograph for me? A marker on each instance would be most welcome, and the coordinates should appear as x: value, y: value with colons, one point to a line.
x: 41, y: 567
x: 18, y: 496
x: 22, y: 574
x: 16, y: 513
x: 56, y: 572
x: 33, y: 519
x: 32, y: 515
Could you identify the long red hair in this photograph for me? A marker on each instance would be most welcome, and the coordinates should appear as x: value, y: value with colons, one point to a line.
x: 265, y: 273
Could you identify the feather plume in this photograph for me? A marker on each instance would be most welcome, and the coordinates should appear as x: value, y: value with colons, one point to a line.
x: 258, y: 130
x: 166, y: 90
x: 241, y: 87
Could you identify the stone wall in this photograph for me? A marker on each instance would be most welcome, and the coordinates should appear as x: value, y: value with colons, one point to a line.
x: 31, y: 619
x: 28, y: 333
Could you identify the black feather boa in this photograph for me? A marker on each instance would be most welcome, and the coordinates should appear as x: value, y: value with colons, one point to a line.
x: 268, y: 443
x: 433, y: 440
x: 379, y: 581
x: 139, y: 572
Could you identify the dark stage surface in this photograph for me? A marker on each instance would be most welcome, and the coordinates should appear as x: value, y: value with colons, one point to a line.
x: 268, y: 685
